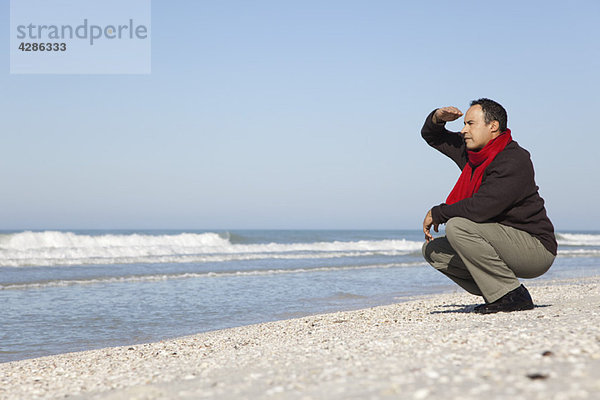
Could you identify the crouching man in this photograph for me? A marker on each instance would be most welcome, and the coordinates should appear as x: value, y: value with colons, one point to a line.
x: 497, y: 229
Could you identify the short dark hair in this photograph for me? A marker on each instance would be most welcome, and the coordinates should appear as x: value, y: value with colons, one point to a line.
x: 492, y: 111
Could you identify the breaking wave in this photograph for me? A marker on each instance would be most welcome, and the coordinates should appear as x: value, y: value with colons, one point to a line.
x: 54, y: 248
x: 578, y: 239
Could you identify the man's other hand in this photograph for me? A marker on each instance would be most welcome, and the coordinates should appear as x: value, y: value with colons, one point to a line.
x: 427, y: 222
x: 446, y: 114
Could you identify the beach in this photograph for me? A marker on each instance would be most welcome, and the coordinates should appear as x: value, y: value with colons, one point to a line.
x: 431, y: 347
x: 70, y: 291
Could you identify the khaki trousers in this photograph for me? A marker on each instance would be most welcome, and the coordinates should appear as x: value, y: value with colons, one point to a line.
x: 486, y: 259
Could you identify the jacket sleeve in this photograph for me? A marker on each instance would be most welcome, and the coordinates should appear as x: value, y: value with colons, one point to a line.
x: 445, y: 141
x: 501, y: 188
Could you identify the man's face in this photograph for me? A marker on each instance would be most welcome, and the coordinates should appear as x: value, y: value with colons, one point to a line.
x: 476, y: 133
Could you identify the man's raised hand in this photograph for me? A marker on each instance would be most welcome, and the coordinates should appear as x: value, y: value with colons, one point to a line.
x: 446, y: 114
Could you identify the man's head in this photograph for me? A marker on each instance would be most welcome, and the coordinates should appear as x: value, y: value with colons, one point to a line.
x: 485, y: 120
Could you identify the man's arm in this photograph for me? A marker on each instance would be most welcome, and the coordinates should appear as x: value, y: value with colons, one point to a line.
x: 443, y: 140
x: 449, y: 143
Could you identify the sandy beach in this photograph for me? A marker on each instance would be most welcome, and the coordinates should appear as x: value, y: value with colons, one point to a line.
x: 428, y: 348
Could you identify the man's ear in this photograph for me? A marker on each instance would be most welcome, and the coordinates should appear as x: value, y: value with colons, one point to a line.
x: 495, y: 126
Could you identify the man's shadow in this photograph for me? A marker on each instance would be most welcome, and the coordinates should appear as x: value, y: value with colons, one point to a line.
x: 468, y: 308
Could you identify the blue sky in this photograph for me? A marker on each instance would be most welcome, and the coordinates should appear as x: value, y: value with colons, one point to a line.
x: 289, y: 114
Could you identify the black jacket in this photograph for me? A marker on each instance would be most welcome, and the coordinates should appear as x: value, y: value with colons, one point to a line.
x: 508, y: 194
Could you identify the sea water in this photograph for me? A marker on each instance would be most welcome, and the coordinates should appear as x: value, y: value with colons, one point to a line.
x: 64, y: 291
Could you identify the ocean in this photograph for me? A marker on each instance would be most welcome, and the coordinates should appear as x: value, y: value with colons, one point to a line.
x: 65, y: 291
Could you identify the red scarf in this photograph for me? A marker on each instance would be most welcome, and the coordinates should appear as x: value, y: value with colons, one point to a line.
x: 470, y: 178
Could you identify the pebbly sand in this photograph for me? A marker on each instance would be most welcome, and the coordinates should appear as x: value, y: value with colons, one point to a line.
x: 428, y: 348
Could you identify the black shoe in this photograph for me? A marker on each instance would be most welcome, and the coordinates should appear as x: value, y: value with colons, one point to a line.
x: 515, y: 300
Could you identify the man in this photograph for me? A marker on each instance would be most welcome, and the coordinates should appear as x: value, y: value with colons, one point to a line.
x: 497, y: 229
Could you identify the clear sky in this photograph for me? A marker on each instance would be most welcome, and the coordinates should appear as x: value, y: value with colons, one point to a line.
x: 301, y: 114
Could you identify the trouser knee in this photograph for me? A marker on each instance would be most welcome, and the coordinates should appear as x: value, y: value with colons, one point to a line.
x: 457, y: 226
x: 436, y: 253
x: 425, y: 252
